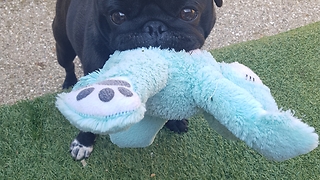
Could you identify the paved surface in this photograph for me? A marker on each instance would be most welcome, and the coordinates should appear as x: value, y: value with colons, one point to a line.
x: 28, y: 66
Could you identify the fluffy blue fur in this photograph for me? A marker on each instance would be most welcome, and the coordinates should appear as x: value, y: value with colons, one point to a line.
x: 164, y: 84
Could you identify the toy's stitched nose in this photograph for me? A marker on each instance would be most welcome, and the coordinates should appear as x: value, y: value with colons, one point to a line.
x: 155, y: 28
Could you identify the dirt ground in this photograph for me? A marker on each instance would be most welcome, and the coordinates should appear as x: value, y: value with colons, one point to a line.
x: 28, y: 66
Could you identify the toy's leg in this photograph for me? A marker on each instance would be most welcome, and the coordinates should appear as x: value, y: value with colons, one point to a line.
x: 141, y: 134
x: 280, y: 136
x: 276, y: 135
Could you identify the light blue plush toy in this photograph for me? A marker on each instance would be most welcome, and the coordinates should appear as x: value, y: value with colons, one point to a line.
x: 137, y: 91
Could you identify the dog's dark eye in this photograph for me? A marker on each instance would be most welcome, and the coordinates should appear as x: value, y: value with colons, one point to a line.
x: 118, y: 17
x: 188, y: 14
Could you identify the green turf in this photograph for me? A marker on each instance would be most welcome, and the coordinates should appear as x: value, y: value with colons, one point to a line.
x: 34, y: 136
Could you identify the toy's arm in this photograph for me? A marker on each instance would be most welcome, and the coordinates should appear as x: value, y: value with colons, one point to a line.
x: 228, y: 103
x: 114, y: 98
x: 144, y: 69
x: 245, y: 78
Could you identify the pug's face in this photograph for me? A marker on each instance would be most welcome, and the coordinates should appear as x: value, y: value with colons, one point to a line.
x: 177, y: 24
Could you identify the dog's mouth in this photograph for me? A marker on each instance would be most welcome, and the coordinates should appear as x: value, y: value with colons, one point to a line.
x: 166, y: 40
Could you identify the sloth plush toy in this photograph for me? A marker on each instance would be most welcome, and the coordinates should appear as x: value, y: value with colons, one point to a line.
x: 137, y: 91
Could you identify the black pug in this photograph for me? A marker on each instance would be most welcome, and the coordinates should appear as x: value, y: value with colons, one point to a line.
x: 94, y: 29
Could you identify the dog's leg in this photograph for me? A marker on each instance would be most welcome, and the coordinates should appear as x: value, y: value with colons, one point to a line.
x: 65, y: 57
x: 178, y: 126
x: 82, y: 146
x: 64, y: 49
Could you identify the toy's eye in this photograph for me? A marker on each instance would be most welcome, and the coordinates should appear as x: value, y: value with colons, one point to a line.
x: 188, y: 14
x: 118, y: 17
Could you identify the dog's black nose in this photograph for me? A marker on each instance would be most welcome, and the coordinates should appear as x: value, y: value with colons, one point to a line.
x: 155, y: 28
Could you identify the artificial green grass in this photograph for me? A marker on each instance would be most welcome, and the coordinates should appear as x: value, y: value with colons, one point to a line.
x: 35, y: 137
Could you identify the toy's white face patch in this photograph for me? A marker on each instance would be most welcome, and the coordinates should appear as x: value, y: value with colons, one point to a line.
x: 106, y: 98
x: 245, y: 72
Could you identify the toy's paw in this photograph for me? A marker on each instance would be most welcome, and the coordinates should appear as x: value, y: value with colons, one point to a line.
x: 117, y: 93
x: 79, y: 151
x: 106, y: 107
x: 178, y: 126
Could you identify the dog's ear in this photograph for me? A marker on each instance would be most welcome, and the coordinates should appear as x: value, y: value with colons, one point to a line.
x: 218, y: 2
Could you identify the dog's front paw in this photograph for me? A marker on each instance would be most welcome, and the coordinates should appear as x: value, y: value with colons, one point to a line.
x: 79, y: 151
x: 178, y: 126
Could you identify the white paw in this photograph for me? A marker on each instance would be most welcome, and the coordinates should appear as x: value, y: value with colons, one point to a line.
x: 79, y: 151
